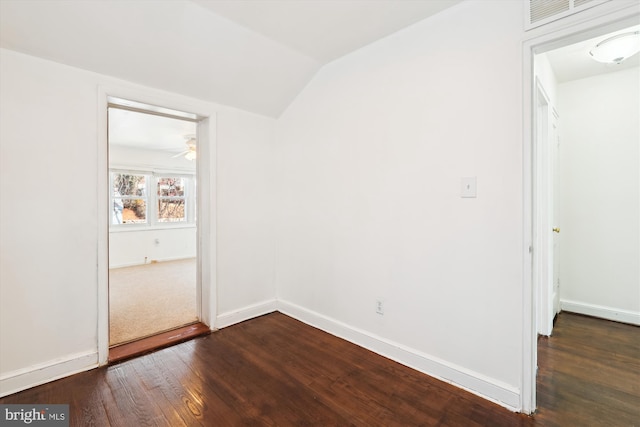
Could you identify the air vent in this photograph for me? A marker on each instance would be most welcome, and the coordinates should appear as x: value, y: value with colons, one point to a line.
x: 540, y: 12
x: 542, y: 9
x: 578, y: 3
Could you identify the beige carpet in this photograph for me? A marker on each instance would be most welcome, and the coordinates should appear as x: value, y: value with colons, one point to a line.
x: 151, y: 298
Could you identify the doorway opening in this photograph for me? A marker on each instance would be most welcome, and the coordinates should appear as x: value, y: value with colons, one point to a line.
x: 585, y: 184
x: 586, y: 174
x: 153, y: 283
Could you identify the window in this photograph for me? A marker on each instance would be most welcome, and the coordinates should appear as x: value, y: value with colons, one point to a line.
x: 173, y: 200
x: 129, y: 198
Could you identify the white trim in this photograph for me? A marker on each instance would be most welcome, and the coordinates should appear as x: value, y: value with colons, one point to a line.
x: 601, y: 311
x: 126, y: 228
x: 207, y: 297
x: 592, y: 23
x: 104, y: 219
x: 529, y: 291
x: 147, y: 168
x: 22, y: 379
x: 135, y: 264
x: 485, y: 387
x: 542, y: 182
x: 245, y: 313
x: 206, y: 218
x: 155, y: 110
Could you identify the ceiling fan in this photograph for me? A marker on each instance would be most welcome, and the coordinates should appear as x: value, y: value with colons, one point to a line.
x: 190, y: 152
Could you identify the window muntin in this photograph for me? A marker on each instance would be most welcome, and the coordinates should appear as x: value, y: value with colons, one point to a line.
x: 132, y: 203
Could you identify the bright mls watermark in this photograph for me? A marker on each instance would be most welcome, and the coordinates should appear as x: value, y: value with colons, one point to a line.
x: 34, y: 415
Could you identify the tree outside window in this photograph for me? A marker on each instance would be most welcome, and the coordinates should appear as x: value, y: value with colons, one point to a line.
x: 129, y: 199
x: 171, y: 199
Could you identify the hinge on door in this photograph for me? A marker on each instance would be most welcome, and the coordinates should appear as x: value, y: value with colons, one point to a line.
x: 530, y: 249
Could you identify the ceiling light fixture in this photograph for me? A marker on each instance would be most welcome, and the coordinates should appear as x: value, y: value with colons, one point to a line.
x: 190, y: 152
x: 616, y: 49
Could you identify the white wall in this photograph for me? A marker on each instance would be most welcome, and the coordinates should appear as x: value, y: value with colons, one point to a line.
x: 600, y: 184
x: 245, y: 215
x: 136, y: 247
x: 48, y: 216
x: 370, y: 158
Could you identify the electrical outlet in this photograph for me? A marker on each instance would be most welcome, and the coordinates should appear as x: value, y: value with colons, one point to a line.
x: 379, y: 307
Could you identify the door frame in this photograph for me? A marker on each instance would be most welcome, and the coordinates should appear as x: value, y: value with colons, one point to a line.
x: 592, y: 23
x: 206, y: 195
x: 542, y: 204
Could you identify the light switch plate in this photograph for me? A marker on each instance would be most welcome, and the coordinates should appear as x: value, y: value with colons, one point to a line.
x: 468, y: 187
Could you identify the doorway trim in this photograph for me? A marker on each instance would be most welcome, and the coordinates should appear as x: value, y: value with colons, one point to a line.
x: 206, y: 213
x: 542, y: 207
x: 589, y: 25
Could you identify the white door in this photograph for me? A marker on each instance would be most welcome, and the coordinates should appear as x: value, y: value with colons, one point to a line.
x: 543, y: 219
x: 555, y: 153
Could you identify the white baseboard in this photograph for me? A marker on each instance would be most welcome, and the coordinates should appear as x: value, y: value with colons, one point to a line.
x: 22, y: 379
x: 609, y: 313
x: 245, y: 313
x: 153, y: 261
x: 488, y: 388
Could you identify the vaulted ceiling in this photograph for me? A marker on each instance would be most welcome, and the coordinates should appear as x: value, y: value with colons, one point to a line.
x: 249, y: 54
x: 325, y: 30
x: 253, y: 55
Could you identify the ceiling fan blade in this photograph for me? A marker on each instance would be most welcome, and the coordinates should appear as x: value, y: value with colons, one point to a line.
x: 180, y: 154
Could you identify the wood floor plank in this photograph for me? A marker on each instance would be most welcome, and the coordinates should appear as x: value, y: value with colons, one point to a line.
x: 164, y: 378
x: 131, y: 399
x: 155, y: 342
x: 589, y: 373
x: 323, y: 375
x: 276, y: 371
x: 226, y: 380
x: 86, y: 397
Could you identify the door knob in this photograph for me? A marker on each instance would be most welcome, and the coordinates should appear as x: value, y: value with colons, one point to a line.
x: 556, y: 229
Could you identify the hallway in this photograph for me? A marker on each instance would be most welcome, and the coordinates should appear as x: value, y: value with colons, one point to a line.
x: 589, y: 373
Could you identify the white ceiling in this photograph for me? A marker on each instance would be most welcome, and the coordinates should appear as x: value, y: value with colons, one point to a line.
x: 253, y: 55
x: 249, y: 54
x: 151, y: 132
x: 573, y: 62
x: 323, y: 29
x: 174, y: 45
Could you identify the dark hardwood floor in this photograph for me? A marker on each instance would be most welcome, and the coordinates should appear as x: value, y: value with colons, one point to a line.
x: 155, y: 342
x: 274, y: 370
x: 589, y: 373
